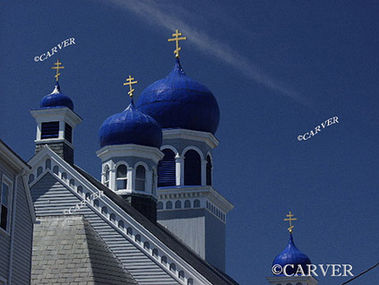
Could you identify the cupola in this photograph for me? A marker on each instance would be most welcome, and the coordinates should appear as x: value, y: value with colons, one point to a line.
x: 129, y: 151
x: 56, y: 121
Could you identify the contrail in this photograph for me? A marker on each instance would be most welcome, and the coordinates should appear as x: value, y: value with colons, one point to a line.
x: 151, y: 12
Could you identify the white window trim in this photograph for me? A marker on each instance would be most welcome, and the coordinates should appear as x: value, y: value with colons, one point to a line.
x: 129, y: 175
x: 5, y: 179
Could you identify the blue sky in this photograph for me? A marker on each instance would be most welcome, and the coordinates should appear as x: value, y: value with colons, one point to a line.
x: 277, y: 69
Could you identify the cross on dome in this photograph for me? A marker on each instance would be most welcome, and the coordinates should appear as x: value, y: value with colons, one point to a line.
x: 130, y: 82
x: 177, y: 37
x: 290, y: 218
x: 57, y: 67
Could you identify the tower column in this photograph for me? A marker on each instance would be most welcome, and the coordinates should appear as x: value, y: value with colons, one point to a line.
x: 112, y: 177
x: 179, y: 170
x: 131, y: 178
x: 203, y: 172
x: 149, y: 181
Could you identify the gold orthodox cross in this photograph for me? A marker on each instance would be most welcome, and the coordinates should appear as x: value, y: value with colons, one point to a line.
x: 177, y: 37
x: 290, y: 218
x: 57, y: 67
x: 130, y: 82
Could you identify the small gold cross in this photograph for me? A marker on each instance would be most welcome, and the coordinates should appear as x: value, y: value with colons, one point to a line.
x: 290, y: 218
x: 177, y: 38
x: 130, y: 82
x: 57, y: 67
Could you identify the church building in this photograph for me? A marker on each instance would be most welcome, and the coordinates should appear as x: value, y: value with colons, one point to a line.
x: 154, y: 218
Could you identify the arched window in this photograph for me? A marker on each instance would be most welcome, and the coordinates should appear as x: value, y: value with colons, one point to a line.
x: 31, y: 178
x: 104, y: 210
x: 190, y: 281
x: 48, y: 164
x: 140, y: 178
x: 187, y: 204
x: 112, y: 218
x: 106, y: 176
x: 192, y: 168
x: 72, y: 182
x: 121, y: 177
x: 56, y: 169
x: 88, y: 196
x: 80, y: 189
x: 138, y: 238
x: 168, y: 205
x: 121, y: 224
x: 155, y: 252
x: 178, y: 204
x: 196, y: 203
x: 64, y: 176
x: 164, y: 260
x: 209, y: 171
x: 172, y: 267
x: 160, y: 205
x: 39, y: 171
x: 96, y: 203
x: 181, y: 274
x: 146, y: 245
x: 166, y: 169
x: 129, y: 231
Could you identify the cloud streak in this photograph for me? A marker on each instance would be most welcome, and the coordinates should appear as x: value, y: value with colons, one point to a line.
x: 153, y: 13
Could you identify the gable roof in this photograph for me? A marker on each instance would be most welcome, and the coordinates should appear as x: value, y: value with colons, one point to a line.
x: 169, y: 247
x: 208, y: 271
x: 59, y: 258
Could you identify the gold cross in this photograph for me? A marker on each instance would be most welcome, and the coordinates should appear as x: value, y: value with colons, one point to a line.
x: 290, y: 219
x: 130, y: 82
x: 177, y: 38
x: 57, y: 67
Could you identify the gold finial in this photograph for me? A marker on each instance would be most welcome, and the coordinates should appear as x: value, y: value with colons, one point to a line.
x: 177, y: 38
x: 130, y: 82
x: 57, y: 67
x: 290, y: 219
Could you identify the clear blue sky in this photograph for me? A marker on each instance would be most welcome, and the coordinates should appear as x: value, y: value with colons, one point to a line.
x: 277, y: 69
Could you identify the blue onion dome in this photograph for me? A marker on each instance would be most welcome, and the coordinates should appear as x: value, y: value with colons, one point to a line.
x: 292, y: 255
x: 130, y: 127
x: 177, y: 101
x: 56, y: 99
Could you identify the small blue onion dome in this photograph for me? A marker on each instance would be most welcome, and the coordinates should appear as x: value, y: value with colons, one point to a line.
x: 292, y: 255
x: 130, y: 127
x: 56, y: 99
x: 177, y: 101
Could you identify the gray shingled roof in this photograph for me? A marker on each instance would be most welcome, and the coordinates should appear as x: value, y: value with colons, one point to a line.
x: 67, y: 250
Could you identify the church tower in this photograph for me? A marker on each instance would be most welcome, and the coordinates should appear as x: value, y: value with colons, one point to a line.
x: 291, y: 261
x: 129, y: 153
x: 56, y: 121
x: 188, y: 204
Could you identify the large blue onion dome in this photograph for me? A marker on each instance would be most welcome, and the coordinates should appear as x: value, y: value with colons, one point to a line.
x: 56, y: 99
x: 177, y: 101
x: 130, y: 127
x: 292, y: 255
